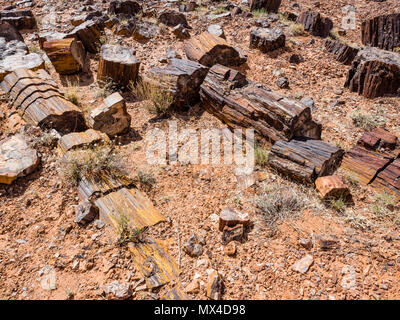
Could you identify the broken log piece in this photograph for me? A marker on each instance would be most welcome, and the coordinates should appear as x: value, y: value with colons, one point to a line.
x: 182, y: 79
x: 154, y: 263
x: 240, y: 103
x: 81, y: 140
x: 89, y: 34
x: 388, y: 180
x: 66, y: 55
x: 343, y: 52
x: 381, y: 141
x: 267, y: 5
x: 31, y: 61
x: 129, y: 205
x: 40, y: 103
x: 173, y: 18
x: 118, y: 64
x: 231, y: 217
x: 364, y: 165
x: 315, y: 24
x: 111, y: 117
x: 305, y: 160
x: 127, y: 7
x: 20, y: 19
x: 50, y: 36
x: 209, y: 49
x: 17, y: 158
x: 175, y: 294
x: 332, y: 187
x: 382, y: 31
x: 374, y: 73
x: 13, y: 47
x: 9, y: 32
x: 266, y: 39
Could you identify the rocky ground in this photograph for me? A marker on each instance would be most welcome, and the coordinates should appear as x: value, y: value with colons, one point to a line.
x: 44, y: 254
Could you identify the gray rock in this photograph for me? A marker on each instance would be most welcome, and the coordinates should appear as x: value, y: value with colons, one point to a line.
x: 303, y: 264
x: 217, y: 30
x: 86, y: 212
x: 308, y: 102
x: 193, y: 246
x: 283, y: 83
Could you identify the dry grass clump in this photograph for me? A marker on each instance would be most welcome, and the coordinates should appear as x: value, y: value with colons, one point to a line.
x: 105, y: 88
x: 146, y: 179
x: 126, y: 233
x: 157, y: 100
x: 296, y: 29
x: 71, y: 93
x: 261, y: 156
x: 367, y: 121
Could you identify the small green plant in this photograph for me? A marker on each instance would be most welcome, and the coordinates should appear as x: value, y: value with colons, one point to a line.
x: 296, y: 29
x: 72, y: 92
x: 220, y: 10
x: 358, y: 221
x: 338, y: 205
x: 146, y: 178
x: 367, y: 121
x: 261, y: 156
x: 126, y: 233
x: 352, y: 179
x: 385, y: 198
x: 159, y: 99
x: 105, y: 88
x: 259, y: 13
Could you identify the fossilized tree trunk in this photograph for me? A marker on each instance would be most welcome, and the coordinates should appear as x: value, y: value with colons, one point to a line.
x: 315, y: 24
x: 267, y: 5
x: 343, y: 52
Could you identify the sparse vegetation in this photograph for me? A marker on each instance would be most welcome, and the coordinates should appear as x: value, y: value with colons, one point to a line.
x: 261, y: 156
x: 367, y: 121
x: 71, y: 93
x: 338, y: 205
x: 105, y: 88
x: 157, y: 100
x: 146, y: 179
x: 259, y: 13
x: 358, y: 221
x: 126, y: 233
x: 296, y: 29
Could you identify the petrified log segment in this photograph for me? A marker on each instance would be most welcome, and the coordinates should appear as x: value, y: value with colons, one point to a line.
x: 389, y: 179
x: 266, y: 39
x: 89, y: 34
x: 40, y: 103
x: 20, y: 19
x: 364, y: 164
x: 173, y: 18
x: 381, y: 141
x: 83, y: 139
x: 50, y: 36
x: 208, y: 49
x: 17, y: 159
x: 127, y: 7
x: 66, y: 55
x: 374, y: 73
x: 315, y: 24
x: 240, y: 103
x: 111, y: 117
x: 343, y: 52
x: 31, y: 61
x: 118, y: 64
x: 182, y: 78
x: 382, y: 31
x: 305, y: 159
x: 9, y: 32
x: 267, y: 5
x: 331, y: 187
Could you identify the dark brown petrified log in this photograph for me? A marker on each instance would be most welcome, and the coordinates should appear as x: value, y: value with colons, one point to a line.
x: 40, y: 103
x: 118, y: 64
x: 267, y: 39
x: 315, y: 24
x: 267, y: 5
x: 66, y: 55
x: 9, y: 32
x: 182, y: 78
x: 89, y: 34
x: 209, y: 49
x: 50, y: 35
x: 173, y: 18
x: 240, y: 103
x: 388, y: 179
x: 381, y: 141
x: 305, y: 160
x: 382, y: 31
x: 343, y: 52
x: 20, y: 19
x: 127, y: 7
x: 374, y: 73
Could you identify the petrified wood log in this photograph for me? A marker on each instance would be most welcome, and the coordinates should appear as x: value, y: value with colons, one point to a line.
x: 381, y: 141
x: 182, y: 78
x: 305, y: 160
x: 240, y: 103
x: 343, y: 52
x: 374, y: 73
x: 40, y: 103
x: 172, y: 18
x: 208, y: 49
x: 66, y: 55
x: 75, y: 140
x: 267, y: 5
x: 127, y: 7
x: 31, y: 61
x: 50, y: 35
x: 20, y: 19
x: 315, y: 24
x: 89, y: 34
x: 389, y: 179
x: 332, y: 187
x: 111, y: 117
x: 9, y: 32
x: 382, y: 31
x: 266, y: 39
x: 11, y: 48
x: 118, y: 64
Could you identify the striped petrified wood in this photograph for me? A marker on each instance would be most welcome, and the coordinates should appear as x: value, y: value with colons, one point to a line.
x: 89, y: 34
x: 154, y: 263
x: 241, y: 103
x: 66, y: 55
x: 382, y: 141
x: 40, y: 103
x: 382, y: 31
x: 389, y: 179
x: 305, y: 159
x: 175, y: 294
x: 75, y: 140
x: 209, y: 49
x: 343, y: 52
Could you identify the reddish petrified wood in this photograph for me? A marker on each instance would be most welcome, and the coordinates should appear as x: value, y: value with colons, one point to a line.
x: 315, y: 24
x: 304, y: 160
x: 267, y: 5
x: 382, y: 141
x: 343, y: 52
x: 389, y: 179
x: 227, y: 94
x: 374, y: 73
x: 332, y: 187
x: 382, y: 31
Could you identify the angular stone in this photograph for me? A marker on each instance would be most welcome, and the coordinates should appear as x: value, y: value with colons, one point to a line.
x: 9, y: 32
x: 17, y: 159
x: 230, y: 249
x: 331, y: 187
x: 193, y: 246
x: 215, y: 286
x: 303, y: 264
x: 327, y: 242
x: 217, y: 30
x: 266, y: 39
x: 118, y: 290
x: 86, y: 212
x: 193, y: 287
x: 173, y: 18
x: 20, y: 19
x: 111, y: 117
x: 235, y: 233
x: 231, y: 217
